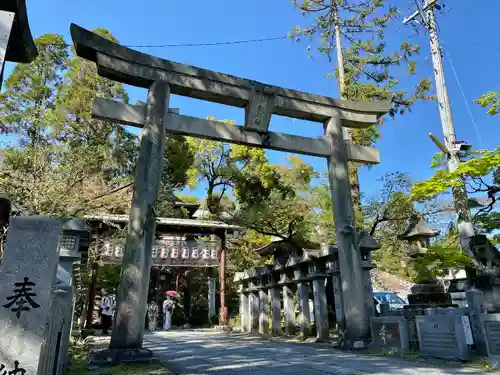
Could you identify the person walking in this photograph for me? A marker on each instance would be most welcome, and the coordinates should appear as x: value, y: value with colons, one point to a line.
x: 106, y: 312
x: 168, y: 309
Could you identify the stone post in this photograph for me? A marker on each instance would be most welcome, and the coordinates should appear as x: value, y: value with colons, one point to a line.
x: 356, y: 315
x: 367, y: 281
x: 253, y: 307
x: 131, y: 303
x: 320, y: 309
x: 303, y: 291
x: 211, y: 299
x: 66, y: 260
x: 275, y: 307
x: 27, y: 274
x: 475, y: 307
x: 264, y: 311
x: 244, y: 297
x: 289, y: 308
x: 338, y: 298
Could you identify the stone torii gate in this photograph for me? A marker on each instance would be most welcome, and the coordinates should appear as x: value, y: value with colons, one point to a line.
x: 16, y: 42
x: 260, y: 101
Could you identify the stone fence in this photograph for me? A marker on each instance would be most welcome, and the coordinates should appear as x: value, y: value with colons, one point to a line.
x: 300, y: 272
x: 456, y: 333
x: 36, y: 306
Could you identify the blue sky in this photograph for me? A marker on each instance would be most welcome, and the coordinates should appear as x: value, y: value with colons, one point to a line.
x: 404, y: 146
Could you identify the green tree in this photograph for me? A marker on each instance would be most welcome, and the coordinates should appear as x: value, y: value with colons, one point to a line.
x: 274, y: 200
x: 441, y: 257
x: 490, y: 100
x: 64, y: 161
x: 220, y: 165
x: 372, y: 70
x: 27, y: 103
x: 479, y: 170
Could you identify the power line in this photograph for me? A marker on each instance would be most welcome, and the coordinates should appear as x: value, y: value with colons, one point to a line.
x: 209, y: 44
x: 466, y: 102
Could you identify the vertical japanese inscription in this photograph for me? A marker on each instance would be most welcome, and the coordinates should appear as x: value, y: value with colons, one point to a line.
x: 22, y: 299
x: 15, y: 371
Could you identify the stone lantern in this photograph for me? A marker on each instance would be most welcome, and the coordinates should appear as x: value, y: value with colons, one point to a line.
x: 418, y: 236
x: 16, y: 42
x: 75, y: 239
x: 429, y: 292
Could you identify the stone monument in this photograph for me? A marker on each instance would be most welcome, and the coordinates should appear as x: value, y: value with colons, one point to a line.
x: 27, y: 275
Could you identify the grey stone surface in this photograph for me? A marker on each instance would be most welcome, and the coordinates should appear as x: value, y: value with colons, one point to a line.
x: 305, y: 324
x: 253, y: 311
x: 207, y: 352
x: 442, y: 336
x: 367, y: 281
x: 131, y: 302
x: 339, y: 301
x: 225, y: 88
x: 54, y: 355
x: 289, y: 309
x: 320, y: 309
x: 244, y: 313
x: 276, y: 311
x: 491, y: 324
x: 475, y: 307
x: 31, y: 252
x: 390, y: 332
x: 263, y: 311
x: 353, y: 291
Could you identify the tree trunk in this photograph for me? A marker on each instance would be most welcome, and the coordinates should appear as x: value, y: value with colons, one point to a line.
x: 355, y: 189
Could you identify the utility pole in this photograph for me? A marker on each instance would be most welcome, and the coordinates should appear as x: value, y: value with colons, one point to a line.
x: 426, y: 16
x: 346, y: 132
x: 338, y: 43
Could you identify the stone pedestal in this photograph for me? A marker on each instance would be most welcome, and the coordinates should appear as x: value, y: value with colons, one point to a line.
x: 289, y: 308
x: 320, y: 310
x: 27, y: 274
x: 305, y: 324
x: 263, y: 312
x: 244, y: 316
x: 253, y: 308
x: 429, y: 295
x: 276, y: 312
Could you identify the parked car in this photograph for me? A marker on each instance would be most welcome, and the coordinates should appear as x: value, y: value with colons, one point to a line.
x: 395, y: 302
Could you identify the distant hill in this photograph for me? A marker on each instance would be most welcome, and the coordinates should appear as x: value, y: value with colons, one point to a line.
x: 383, y: 281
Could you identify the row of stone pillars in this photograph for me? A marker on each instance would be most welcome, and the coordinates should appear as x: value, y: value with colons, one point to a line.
x: 313, y: 269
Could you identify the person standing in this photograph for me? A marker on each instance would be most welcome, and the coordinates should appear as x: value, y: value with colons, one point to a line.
x: 153, y: 315
x: 106, y: 312
x: 168, y: 309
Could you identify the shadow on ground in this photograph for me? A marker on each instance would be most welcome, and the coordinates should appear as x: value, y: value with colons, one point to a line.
x: 209, y: 352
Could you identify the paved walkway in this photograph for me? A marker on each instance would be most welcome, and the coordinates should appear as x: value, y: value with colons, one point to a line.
x: 208, y: 352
